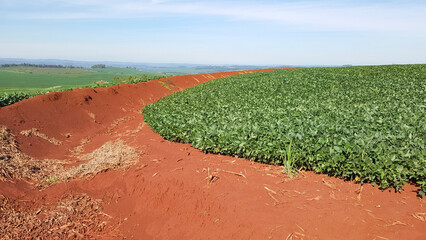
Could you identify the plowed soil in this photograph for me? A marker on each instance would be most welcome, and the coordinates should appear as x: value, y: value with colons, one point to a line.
x: 83, y: 164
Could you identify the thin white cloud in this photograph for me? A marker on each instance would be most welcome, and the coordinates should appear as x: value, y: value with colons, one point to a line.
x: 323, y: 15
x: 159, y: 1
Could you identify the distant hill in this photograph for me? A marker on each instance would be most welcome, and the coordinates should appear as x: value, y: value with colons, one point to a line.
x: 165, y: 68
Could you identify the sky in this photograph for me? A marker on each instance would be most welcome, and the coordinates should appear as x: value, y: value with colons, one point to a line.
x: 268, y: 32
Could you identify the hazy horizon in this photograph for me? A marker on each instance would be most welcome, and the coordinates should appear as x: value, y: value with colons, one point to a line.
x: 237, y: 32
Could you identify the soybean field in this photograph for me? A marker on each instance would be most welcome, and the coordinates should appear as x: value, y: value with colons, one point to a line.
x: 365, y: 124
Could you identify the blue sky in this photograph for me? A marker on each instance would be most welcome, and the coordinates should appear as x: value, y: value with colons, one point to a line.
x: 216, y: 32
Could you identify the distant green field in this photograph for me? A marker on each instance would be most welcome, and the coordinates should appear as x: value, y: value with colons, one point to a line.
x: 12, y: 78
x: 21, y: 82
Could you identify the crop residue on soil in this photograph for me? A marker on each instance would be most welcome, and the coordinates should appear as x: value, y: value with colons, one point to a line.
x: 73, y: 217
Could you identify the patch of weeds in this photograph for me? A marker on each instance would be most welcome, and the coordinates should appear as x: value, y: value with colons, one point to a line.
x: 165, y: 85
x: 51, y: 179
x: 289, y: 160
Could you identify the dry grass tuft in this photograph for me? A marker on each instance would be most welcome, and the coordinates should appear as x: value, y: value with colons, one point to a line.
x: 235, y: 173
x: 117, y: 122
x: 211, y: 177
x: 112, y: 155
x: 165, y: 85
x: 420, y: 216
x: 37, y: 133
x: 329, y: 184
x: 73, y: 217
x: 16, y: 165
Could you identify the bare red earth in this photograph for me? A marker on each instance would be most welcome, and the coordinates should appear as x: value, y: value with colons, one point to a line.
x: 178, y: 192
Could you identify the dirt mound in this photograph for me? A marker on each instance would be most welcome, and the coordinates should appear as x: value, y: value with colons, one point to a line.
x: 106, y: 174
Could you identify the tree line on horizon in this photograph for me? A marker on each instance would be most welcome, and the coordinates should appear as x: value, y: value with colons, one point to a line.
x: 37, y: 65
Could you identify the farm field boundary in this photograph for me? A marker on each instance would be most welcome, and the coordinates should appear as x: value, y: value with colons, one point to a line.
x: 22, y: 82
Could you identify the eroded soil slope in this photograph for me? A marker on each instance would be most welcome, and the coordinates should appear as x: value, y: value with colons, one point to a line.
x: 83, y: 164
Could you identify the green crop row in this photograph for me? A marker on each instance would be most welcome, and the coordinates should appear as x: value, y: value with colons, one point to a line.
x: 365, y: 124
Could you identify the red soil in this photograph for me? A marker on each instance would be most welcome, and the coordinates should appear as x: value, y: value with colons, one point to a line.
x: 178, y: 192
